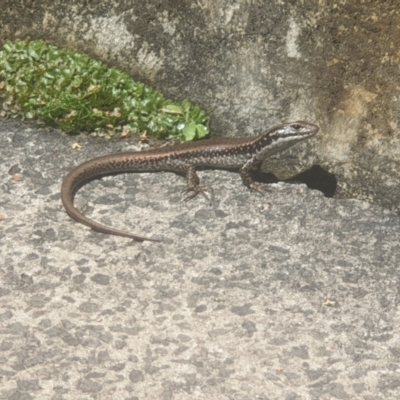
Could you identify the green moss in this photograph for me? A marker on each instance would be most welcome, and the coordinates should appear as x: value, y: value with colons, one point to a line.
x: 71, y: 91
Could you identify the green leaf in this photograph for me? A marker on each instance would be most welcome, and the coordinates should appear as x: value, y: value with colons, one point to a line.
x: 172, y: 109
x: 189, y: 132
x: 201, y: 131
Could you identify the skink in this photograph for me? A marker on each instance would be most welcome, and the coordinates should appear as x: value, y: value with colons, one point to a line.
x: 244, y: 154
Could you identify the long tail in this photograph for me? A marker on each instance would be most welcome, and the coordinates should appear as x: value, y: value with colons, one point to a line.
x: 71, y: 184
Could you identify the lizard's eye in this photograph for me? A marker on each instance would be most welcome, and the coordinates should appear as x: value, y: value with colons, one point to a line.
x: 296, y: 126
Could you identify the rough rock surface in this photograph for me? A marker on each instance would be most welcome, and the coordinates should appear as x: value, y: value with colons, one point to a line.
x: 286, y: 296
x: 252, y: 64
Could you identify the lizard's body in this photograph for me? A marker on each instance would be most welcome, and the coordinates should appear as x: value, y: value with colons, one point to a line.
x: 244, y: 154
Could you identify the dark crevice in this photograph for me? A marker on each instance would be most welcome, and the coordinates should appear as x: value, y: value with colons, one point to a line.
x: 315, y: 178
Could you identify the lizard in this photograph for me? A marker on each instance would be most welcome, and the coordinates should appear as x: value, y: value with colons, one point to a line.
x: 243, y: 154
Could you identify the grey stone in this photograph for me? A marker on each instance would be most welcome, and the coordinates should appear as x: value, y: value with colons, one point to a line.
x: 201, y: 308
x: 337, y: 391
x: 90, y: 386
x: 79, y: 279
x: 17, y: 395
x: 301, y: 352
x: 6, y: 345
x: 28, y: 385
x: 136, y: 376
x: 101, y: 279
x: 89, y: 307
x: 184, y: 338
x: 250, y: 327
x: 242, y: 310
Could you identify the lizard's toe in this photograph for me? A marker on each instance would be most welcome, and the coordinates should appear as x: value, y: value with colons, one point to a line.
x: 195, y: 190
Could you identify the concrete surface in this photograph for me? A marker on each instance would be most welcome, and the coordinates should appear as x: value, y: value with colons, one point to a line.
x: 287, y: 296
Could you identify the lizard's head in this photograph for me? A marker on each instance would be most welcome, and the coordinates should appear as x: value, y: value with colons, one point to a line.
x: 293, y: 131
x: 281, y: 137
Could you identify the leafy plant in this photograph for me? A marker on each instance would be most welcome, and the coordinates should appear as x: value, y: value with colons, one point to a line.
x: 76, y: 93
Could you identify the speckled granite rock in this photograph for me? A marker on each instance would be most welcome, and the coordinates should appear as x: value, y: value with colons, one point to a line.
x: 286, y: 296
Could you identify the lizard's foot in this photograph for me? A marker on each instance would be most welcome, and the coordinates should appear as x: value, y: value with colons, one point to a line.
x: 259, y: 187
x: 195, y: 190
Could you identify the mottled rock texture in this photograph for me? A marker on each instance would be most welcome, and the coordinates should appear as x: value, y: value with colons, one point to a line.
x: 252, y: 64
x: 285, y: 296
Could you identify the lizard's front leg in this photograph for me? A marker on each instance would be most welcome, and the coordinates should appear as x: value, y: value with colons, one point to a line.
x: 248, y: 180
x: 193, y: 186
